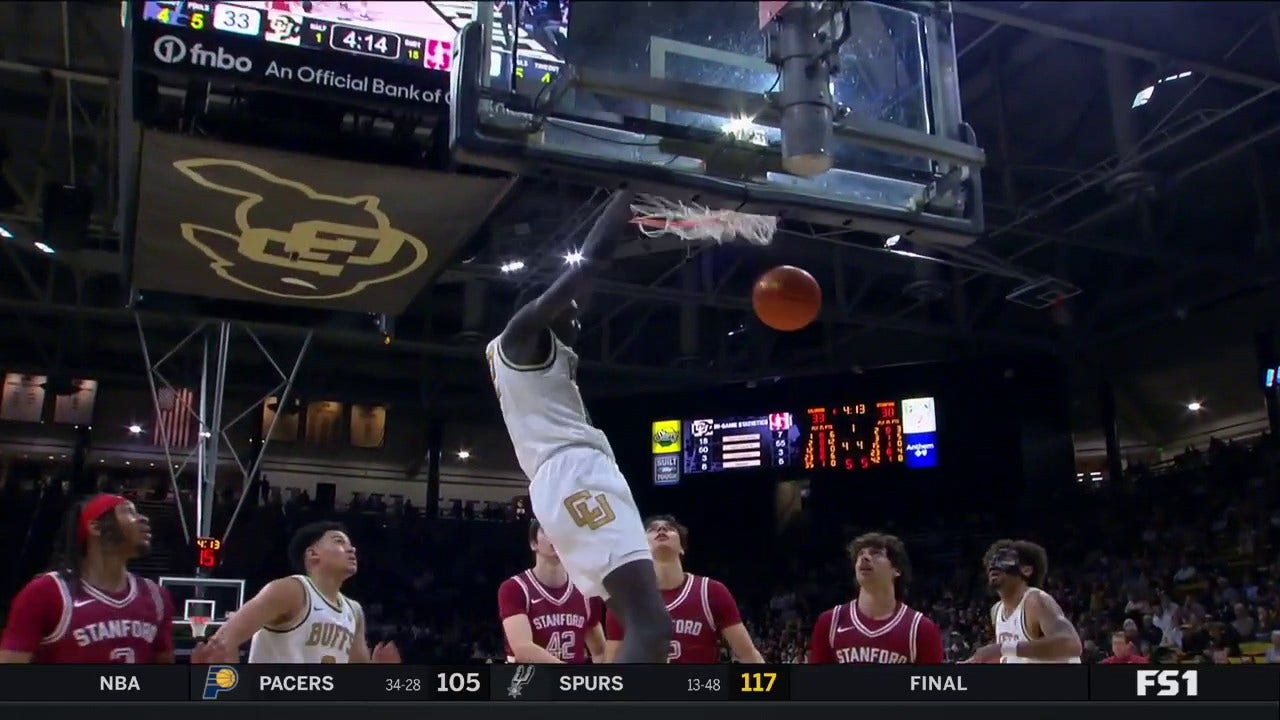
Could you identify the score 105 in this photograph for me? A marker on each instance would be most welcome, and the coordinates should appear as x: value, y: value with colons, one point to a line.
x: 208, y: 552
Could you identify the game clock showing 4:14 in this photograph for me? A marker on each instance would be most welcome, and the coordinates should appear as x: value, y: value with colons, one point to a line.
x: 365, y: 42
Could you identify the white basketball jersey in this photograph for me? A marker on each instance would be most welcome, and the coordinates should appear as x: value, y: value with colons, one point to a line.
x: 541, y: 405
x: 325, y: 634
x: 1013, y: 628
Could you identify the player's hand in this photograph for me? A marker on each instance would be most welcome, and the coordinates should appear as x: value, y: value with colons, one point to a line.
x: 985, y: 655
x: 214, y: 652
x: 386, y: 653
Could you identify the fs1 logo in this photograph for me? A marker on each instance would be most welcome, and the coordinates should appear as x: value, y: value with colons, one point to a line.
x: 1168, y: 683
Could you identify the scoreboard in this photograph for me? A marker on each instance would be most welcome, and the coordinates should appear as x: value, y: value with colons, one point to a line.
x: 850, y: 437
x: 431, y: 48
x: 396, y: 53
x: 712, y: 445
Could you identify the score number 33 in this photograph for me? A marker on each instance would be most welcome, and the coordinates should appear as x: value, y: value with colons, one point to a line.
x: 243, y: 21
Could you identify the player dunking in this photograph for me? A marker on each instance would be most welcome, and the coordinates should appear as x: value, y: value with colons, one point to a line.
x: 91, y: 609
x: 1029, y: 624
x: 545, y: 619
x: 305, y: 618
x: 702, y: 610
x: 577, y: 491
x: 877, y: 627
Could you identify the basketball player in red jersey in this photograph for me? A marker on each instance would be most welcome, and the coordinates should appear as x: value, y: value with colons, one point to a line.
x: 545, y: 619
x: 702, y: 609
x: 92, y: 610
x: 877, y: 628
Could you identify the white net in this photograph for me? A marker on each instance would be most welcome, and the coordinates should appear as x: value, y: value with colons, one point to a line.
x: 199, y: 626
x: 658, y: 216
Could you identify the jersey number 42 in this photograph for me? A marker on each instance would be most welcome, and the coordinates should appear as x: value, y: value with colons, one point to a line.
x: 562, y: 644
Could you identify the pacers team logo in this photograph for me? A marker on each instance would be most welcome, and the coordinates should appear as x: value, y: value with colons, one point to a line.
x: 287, y: 240
x: 221, y: 678
x: 588, y: 512
x: 666, y: 437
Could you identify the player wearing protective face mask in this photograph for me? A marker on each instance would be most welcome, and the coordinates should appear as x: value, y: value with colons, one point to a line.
x: 1029, y: 624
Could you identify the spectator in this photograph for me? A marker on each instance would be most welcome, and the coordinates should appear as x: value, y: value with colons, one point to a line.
x: 1123, y: 651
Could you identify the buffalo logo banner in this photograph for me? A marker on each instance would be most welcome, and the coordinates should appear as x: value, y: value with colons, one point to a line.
x: 263, y: 225
x: 23, y: 399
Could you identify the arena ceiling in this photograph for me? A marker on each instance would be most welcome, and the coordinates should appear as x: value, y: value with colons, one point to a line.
x: 1157, y: 213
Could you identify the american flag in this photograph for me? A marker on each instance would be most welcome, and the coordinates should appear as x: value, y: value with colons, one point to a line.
x: 176, y: 420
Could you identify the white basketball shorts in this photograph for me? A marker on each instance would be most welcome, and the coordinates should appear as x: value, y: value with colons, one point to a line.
x: 585, y: 506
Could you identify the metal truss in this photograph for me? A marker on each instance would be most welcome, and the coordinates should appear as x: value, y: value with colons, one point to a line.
x: 85, y: 94
x: 215, y: 342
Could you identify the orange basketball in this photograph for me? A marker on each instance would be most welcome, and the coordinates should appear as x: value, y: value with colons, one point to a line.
x: 786, y: 298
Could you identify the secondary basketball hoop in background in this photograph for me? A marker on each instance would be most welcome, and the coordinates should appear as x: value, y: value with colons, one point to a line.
x: 657, y: 216
x: 199, y: 625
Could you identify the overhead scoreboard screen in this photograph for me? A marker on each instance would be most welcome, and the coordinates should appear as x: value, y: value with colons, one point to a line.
x: 393, y: 52
x: 854, y: 437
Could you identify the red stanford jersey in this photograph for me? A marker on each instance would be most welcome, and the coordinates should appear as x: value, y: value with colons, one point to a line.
x: 89, y: 625
x: 700, y: 610
x: 560, y: 617
x: 844, y: 635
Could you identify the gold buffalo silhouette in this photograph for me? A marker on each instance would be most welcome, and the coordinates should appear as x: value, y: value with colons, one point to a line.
x: 293, y: 242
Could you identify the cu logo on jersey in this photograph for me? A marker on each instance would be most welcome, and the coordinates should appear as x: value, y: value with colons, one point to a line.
x: 589, y: 512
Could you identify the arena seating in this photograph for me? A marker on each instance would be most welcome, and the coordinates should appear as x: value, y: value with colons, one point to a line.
x: 1184, y: 557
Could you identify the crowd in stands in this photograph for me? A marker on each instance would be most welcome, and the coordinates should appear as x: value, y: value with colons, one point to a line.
x: 1174, y: 564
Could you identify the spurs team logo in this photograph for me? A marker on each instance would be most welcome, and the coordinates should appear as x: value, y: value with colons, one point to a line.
x: 589, y: 512
x: 519, y: 680
x: 287, y: 240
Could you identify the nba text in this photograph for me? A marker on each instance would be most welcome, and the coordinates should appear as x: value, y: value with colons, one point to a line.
x: 1168, y: 683
x: 591, y: 683
x: 296, y: 683
x: 938, y: 683
x: 119, y: 683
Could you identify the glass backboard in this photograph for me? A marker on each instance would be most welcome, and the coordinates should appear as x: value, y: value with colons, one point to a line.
x: 896, y: 76
x: 214, y: 598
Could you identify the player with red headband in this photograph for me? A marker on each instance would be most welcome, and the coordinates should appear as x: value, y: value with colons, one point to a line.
x: 91, y: 609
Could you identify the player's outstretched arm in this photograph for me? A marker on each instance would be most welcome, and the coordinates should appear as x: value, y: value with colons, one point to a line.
x: 279, y: 604
x: 596, y: 644
x: 531, y: 320
x: 1058, y: 639
x: 383, y: 652
x: 1058, y: 636
x: 163, y: 645
x: 613, y: 632
x: 513, y: 610
x: 34, y: 615
x: 724, y: 610
x: 928, y: 649
x: 519, y: 634
x: 820, y: 652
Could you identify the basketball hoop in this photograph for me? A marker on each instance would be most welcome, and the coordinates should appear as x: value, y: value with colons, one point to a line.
x: 199, y: 625
x: 658, y: 216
